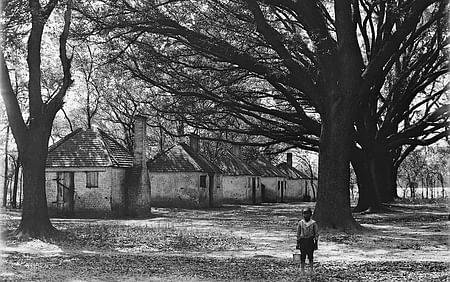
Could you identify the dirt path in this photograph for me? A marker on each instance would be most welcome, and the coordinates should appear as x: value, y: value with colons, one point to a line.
x: 409, y: 234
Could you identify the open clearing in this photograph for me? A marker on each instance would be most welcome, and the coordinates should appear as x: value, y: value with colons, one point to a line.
x: 234, y: 243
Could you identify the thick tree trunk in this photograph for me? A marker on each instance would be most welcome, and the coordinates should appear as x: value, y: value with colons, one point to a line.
x: 32, y: 138
x: 386, y: 175
x: 367, y: 195
x: 35, y: 221
x: 376, y: 176
x: 333, y: 194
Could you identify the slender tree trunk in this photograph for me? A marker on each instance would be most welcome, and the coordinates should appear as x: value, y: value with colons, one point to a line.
x: 333, y: 194
x: 15, y: 183
x: 35, y: 221
x: 5, y: 184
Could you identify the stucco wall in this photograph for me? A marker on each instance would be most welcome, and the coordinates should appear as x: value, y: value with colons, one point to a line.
x: 88, y: 200
x: 118, y: 191
x: 177, y: 189
x: 236, y: 189
x: 295, y: 189
x: 271, y: 192
x: 182, y: 189
x: 218, y: 191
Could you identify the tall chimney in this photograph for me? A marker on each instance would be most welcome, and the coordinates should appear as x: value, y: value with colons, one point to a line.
x: 236, y: 150
x: 180, y: 128
x: 289, y: 159
x: 138, y: 182
x: 140, y: 134
x: 194, y: 142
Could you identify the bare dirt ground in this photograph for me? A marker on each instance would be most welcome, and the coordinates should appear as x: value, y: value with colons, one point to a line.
x: 234, y: 243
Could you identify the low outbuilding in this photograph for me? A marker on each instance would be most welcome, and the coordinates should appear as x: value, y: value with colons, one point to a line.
x: 299, y: 186
x: 89, y: 173
x: 241, y: 184
x: 273, y: 180
x: 85, y: 173
x: 181, y: 177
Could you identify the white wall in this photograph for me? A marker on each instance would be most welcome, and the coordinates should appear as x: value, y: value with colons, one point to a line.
x: 85, y: 199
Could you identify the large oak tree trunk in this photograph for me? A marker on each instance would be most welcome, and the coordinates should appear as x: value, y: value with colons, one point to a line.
x: 384, y: 171
x: 333, y: 194
x: 35, y: 221
x: 376, y: 177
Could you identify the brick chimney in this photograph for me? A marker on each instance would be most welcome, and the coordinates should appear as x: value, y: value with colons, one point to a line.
x: 180, y: 128
x: 140, y: 135
x: 236, y: 150
x: 289, y: 159
x: 138, y: 203
x: 194, y: 142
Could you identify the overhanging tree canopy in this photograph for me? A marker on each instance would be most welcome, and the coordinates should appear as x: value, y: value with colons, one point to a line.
x: 270, y: 62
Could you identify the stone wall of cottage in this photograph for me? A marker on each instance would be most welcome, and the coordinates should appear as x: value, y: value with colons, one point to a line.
x: 118, y: 191
x: 218, y: 191
x: 178, y: 189
x: 295, y: 190
x: 271, y: 193
x: 238, y: 189
x: 101, y: 199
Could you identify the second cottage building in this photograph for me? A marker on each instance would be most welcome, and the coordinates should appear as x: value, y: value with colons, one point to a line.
x: 273, y: 180
x: 181, y: 177
x: 241, y: 184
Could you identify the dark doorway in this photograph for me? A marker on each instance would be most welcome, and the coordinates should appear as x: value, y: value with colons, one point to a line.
x: 254, y: 190
x: 65, y: 193
x: 211, y: 190
x: 263, y: 192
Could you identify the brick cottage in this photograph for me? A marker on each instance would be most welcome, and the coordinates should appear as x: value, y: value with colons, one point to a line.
x: 88, y: 172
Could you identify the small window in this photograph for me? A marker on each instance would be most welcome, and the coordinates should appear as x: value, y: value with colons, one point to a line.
x: 92, y: 179
x: 218, y: 180
x: 203, y: 181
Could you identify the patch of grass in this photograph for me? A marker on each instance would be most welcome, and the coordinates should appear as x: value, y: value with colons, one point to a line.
x: 143, y: 238
x: 177, y: 268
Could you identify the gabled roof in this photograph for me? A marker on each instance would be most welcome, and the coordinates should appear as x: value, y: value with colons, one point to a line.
x: 292, y: 172
x: 231, y: 164
x: 181, y: 158
x: 265, y: 168
x: 88, y: 148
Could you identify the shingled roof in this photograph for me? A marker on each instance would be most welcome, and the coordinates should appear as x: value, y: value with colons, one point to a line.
x: 265, y: 168
x: 231, y: 164
x: 88, y: 148
x: 180, y: 158
x: 292, y: 172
